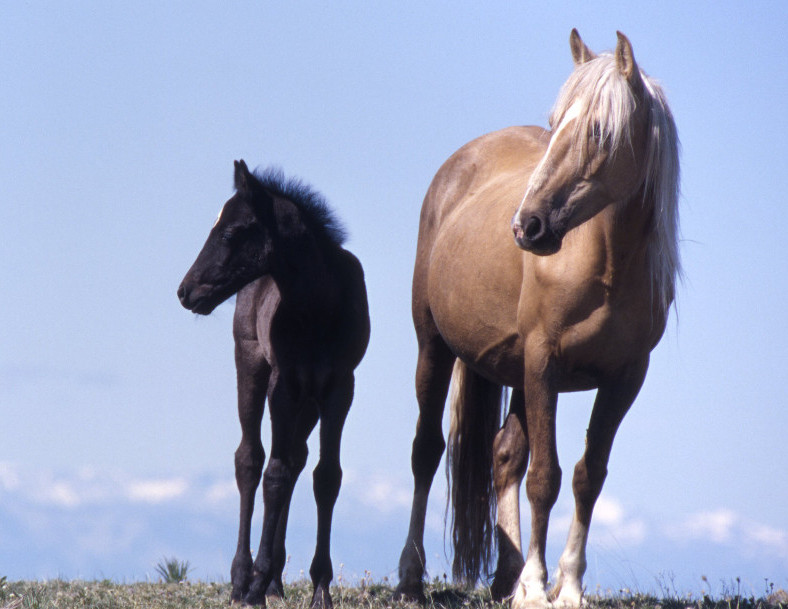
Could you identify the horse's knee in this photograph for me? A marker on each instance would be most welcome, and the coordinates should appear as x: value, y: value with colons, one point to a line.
x: 249, y: 460
x: 276, y: 481
x: 587, y: 480
x: 543, y: 484
x: 326, y: 480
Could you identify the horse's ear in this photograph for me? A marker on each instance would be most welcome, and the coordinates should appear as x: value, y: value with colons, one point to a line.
x: 580, y: 52
x: 625, y: 60
x: 242, y: 176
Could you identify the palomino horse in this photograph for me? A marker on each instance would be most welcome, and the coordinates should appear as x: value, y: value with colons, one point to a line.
x: 301, y: 327
x: 576, y: 301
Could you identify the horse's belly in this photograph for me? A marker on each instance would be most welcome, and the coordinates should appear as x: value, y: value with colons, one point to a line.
x: 473, y: 288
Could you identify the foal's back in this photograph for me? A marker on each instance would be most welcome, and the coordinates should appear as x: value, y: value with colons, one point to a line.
x: 332, y: 333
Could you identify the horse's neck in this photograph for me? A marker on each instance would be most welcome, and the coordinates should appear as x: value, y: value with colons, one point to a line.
x: 626, y: 229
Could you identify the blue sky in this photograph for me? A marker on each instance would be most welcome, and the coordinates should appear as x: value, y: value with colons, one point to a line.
x: 119, y: 127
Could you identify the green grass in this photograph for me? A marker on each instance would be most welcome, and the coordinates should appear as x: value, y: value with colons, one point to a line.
x: 59, y: 594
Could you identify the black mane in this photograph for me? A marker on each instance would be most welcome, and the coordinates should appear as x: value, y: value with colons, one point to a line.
x: 313, y: 205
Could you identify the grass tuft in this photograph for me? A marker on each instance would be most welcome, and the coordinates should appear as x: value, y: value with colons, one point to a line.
x: 173, y: 571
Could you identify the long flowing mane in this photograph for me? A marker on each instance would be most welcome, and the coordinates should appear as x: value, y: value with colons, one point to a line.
x: 607, y: 105
x: 314, y: 208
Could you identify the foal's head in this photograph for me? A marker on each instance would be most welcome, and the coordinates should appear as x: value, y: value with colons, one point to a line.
x: 270, y: 226
x: 601, y: 147
x: 237, y: 250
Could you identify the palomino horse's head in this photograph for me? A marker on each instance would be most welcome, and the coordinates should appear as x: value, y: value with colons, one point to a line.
x: 598, y: 151
x: 237, y: 250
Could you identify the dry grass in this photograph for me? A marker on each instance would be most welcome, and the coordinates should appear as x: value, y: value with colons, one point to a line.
x: 59, y: 594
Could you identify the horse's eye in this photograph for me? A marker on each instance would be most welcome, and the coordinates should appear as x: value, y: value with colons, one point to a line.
x: 596, y: 131
x: 229, y: 235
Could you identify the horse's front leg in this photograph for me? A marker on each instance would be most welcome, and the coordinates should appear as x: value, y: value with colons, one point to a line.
x: 543, y: 479
x: 252, y: 375
x: 612, y: 402
x: 326, y: 480
x: 510, y: 458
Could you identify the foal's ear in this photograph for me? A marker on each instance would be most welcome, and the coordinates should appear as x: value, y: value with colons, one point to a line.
x: 580, y: 52
x: 625, y: 60
x: 242, y: 176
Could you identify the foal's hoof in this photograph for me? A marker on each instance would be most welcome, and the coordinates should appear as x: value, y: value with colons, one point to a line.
x: 255, y: 596
x: 275, y: 589
x: 410, y: 593
x: 321, y: 599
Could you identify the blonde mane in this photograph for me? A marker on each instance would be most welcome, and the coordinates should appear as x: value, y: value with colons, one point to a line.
x: 606, y: 109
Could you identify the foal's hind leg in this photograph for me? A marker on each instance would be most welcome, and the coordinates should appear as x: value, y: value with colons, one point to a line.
x: 612, y: 402
x: 326, y: 480
x: 510, y: 458
x: 253, y: 375
x: 286, y: 461
x: 304, y: 426
x: 433, y: 374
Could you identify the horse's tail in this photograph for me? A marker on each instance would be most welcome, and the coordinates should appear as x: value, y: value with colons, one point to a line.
x: 475, y: 419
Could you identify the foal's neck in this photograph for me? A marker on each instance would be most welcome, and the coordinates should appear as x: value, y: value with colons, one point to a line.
x: 304, y: 272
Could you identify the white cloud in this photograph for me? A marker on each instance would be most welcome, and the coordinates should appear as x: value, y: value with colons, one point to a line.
x: 608, y: 511
x: 384, y: 494
x: 221, y: 491
x: 63, y: 494
x: 9, y: 477
x: 156, y: 491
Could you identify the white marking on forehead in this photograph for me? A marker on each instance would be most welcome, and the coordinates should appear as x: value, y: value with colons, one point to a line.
x: 571, y: 114
x: 219, y: 217
x: 574, y: 111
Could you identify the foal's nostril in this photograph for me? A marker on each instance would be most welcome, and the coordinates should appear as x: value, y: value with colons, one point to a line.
x: 181, y: 292
x: 534, y: 228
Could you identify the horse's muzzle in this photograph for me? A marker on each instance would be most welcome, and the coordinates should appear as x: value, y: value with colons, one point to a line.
x: 534, y: 235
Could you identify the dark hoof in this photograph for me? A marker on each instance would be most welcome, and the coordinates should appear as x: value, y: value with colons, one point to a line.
x: 256, y: 595
x: 275, y: 589
x: 321, y: 599
x: 502, y: 588
x: 410, y: 593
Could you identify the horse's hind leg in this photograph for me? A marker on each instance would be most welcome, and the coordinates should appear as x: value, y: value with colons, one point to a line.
x: 612, y: 403
x: 252, y: 377
x: 327, y: 478
x: 510, y: 458
x: 433, y: 374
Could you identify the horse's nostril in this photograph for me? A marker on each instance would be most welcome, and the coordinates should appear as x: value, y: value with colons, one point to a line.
x: 181, y: 292
x: 534, y: 228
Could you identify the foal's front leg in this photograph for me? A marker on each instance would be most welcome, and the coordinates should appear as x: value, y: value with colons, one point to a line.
x: 543, y: 480
x: 252, y: 376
